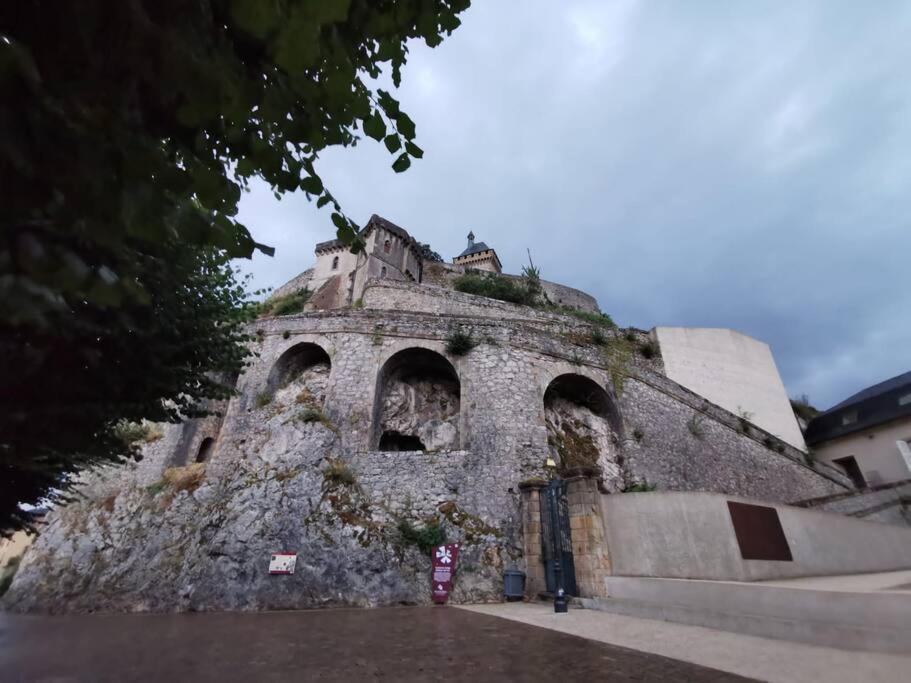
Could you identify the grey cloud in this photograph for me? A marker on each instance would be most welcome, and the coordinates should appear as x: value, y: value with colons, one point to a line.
x: 710, y: 164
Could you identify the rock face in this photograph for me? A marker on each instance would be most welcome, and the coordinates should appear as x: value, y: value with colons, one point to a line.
x: 421, y: 413
x: 298, y: 461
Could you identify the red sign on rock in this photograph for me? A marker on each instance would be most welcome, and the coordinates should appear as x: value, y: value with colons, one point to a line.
x: 444, y: 561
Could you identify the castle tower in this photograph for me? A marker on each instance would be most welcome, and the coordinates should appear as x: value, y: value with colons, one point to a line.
x: 478, y: 255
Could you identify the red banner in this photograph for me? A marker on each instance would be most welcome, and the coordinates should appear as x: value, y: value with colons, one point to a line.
x: 444, y: 559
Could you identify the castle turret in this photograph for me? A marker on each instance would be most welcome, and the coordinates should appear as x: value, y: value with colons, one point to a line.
x: 479, y: 255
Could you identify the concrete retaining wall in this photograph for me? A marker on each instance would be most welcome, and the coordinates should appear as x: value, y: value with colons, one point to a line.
x: 690, y: 535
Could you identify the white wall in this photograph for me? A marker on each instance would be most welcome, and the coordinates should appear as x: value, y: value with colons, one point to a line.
x: 691, y: 536
x: 733, y: 371
x: 875, y: 450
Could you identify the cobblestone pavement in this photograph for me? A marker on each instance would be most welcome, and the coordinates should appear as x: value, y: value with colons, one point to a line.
x: 403, y: 644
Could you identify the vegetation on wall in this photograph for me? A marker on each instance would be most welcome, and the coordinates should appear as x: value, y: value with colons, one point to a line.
x: 495, y: 286
x: 287, y: 304
x: 459, y: 342
x: 429, y: 255
x: 425, y: 537
x: 803, y: 409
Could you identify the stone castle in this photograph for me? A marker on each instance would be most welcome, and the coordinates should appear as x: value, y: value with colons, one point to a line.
x: 394, y: 411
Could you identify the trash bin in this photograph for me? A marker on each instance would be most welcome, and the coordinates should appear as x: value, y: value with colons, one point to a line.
x: 514, y: 584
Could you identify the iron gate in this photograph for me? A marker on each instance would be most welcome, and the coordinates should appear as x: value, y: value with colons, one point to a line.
x: 556, y: 539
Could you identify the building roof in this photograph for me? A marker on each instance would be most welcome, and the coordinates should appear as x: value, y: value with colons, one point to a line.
x: 375, y: 221
x: 474, y: 249
x: 898, y: 382
x: 868, y: 408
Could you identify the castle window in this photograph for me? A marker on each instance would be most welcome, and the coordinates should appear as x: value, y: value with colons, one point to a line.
x: 383, y: 272
x: 583, y: 426
x: 387, y: 246
x: 205, y: 449
x: 417, y: 403
x: 335, y: 263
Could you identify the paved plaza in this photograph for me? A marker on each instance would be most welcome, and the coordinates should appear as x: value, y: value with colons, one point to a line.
x: 400, y: 644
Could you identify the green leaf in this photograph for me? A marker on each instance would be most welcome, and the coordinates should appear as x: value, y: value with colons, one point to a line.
x: 389, y: 104
x: 375, y: 127
x: 393, y: 144
x: 322, y: 201
x: 405, y: 125
x: 339, y: 221
x: 401, y: 164
x: 256, y: 17
x: 414, y: 150
x: 312, y: 184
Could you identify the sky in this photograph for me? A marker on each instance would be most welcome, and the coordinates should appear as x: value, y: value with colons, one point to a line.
x: 704, y: 164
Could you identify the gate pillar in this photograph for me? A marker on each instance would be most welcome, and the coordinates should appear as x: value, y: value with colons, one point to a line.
x: 535, y: 580
x: 590, y: 552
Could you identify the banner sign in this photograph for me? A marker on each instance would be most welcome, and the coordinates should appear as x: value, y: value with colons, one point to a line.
x: 444, y: 559
x: 282, y: 563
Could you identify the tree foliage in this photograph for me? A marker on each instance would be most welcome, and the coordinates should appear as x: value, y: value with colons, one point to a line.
x: 429, y: 255
x: 128, y: 130
x: 140, y: 122
x: 72, y: 390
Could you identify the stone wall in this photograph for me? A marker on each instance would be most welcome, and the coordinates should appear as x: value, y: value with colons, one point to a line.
x: 299, y: 471
x: 887, y: 503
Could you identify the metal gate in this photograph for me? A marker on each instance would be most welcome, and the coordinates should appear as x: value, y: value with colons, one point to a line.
x: 556, y: 539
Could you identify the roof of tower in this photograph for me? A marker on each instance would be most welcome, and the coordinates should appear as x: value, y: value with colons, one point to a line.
x: 474, y: 249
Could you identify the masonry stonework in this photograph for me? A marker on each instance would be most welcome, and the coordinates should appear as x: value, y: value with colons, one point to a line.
x: 297, y: 462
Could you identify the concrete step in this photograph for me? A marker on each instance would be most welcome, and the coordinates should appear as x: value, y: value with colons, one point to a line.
x: 875, y: 621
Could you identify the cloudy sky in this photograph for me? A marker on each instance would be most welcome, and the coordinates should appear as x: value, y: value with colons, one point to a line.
x: 717, y: 164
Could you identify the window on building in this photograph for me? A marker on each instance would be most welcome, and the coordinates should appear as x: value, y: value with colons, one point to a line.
x: 850, y: 467
x: 383, y: 272
x: 904, y: 400
x: 387, y: 246
x: 849, y: 418
x: 335, y: 263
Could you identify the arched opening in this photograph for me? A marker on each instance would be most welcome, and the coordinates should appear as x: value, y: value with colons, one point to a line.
x: 387, y: 246
x: 300, y: 375
x: 205, y: 449
x: 583, y: 427
x: 417, y: 403
x: 335, y: 263
x: 383, y: 271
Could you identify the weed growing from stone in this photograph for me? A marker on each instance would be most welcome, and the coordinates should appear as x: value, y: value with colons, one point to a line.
x: 339, y: 474
x: 263, y: 399
x: 638, y: 434
x: 641, y: 487
x: 425, y: 537
x: 458, y: 343
x: 649, y: 349
x: 696, y: 425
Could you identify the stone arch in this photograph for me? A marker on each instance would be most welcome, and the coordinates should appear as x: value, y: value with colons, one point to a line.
x: 417, y: 403
x: 205, y: 449
x: 300, y: 374
x: 584, y: 428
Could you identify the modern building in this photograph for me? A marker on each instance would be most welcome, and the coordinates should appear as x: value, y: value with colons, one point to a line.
x: 868, y: 435
x: 733, y: 371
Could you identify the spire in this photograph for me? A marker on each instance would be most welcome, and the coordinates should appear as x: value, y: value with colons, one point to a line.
x: 470, y: 238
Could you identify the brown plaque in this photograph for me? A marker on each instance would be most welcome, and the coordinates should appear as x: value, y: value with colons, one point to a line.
x: 759, y: 532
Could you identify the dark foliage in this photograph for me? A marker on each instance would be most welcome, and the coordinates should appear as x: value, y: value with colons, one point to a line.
x: 430, y: 255
x: 127, y: 132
